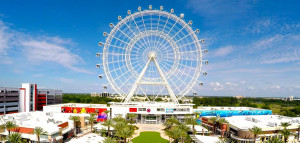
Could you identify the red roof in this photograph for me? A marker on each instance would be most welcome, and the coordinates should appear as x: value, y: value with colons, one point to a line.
x: 23, y: 130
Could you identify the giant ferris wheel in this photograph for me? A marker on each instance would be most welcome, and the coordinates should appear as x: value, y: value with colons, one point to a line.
x: 152, y: 52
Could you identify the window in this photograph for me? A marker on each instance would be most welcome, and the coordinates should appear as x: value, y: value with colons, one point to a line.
x: 160, y: 109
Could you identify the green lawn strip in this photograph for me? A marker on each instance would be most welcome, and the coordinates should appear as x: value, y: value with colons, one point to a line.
x: 149, y: 137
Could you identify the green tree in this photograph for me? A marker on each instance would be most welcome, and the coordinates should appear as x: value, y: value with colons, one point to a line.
x: 275, y: 140
x: 285, y: 133
x: 158, y: 99
x: 107, y: 113
x: 173, y: 120
x: 92, y: 119
x: 255, y: 131
x: 214, y: 120
x: 75, y: 119
x: 285, y: 124
x: 109, y: 140
x: 38, y: 131
x: 222, y: 121
x: 191, y: 121
x: 184, y: 129
x: 119, y: 119
x: 108, y: 123
x: 167, y: 125
x: 9, y: 125
x: 298, y: 132
x: 175, y: 133
x: 120, y: 125
x: 15, y: 138
x: 125, y: 133
x: 131, y: 116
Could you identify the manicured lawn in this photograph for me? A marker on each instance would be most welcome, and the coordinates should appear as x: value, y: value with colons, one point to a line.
x: 149, y: 137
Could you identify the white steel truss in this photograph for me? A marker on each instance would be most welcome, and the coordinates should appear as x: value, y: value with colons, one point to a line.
x: 163, y: 82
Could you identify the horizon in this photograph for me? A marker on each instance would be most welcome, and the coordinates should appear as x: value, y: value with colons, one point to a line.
x: 254, y: 46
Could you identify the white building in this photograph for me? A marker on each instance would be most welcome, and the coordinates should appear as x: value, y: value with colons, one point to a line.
x: 239, y: 126
x: 28, y: 97
x: 57, y: 125
x: 151, y: 113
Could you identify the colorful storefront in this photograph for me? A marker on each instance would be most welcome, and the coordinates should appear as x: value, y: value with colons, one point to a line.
x: 101, y: 115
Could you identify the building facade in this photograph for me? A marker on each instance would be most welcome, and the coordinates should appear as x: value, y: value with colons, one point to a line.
x: 33, y: 99
x: 48, y: 97
x: 9, y: 100
x: 238, y: 127
x: 27, y: 98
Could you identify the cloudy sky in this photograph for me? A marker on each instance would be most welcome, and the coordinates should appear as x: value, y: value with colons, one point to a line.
x: 254, y: 45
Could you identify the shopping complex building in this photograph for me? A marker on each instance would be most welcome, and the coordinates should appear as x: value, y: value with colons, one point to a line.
x: 238, y: 127
x: 57, y: 125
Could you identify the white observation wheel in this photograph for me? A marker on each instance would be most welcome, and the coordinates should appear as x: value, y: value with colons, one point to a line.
x: 152, y: 52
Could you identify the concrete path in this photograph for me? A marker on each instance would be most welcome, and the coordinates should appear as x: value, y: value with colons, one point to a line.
x: 150, y: 127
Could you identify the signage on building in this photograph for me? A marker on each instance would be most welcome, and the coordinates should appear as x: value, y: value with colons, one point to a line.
x: 132, y: 109
x: 148, y: 110
x: 101, y: 116
x: 169, y: 110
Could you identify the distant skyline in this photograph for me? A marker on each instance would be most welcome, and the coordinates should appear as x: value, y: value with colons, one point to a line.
x: 254, y: 46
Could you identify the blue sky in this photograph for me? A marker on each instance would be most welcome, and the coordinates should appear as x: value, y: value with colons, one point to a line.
x: 254, y: 46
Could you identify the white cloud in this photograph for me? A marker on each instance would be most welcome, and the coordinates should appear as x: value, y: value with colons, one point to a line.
x: 223, y: 86
x: 4, y: 38
x: 39, y: 49
x: 223, y: 51
x: 275, y: 87
x: 251, y: 88
x: 65, y: 80
x: 216, y: 85
x: 260, y: 26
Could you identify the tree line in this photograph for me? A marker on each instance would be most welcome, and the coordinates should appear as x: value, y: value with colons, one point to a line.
x: 86, y: 98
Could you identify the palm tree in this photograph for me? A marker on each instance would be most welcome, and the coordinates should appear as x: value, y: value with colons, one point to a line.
x: 131, y: 116
x: 92, y: 119
x: 39, y: 131
x: 75, y: 120
x: 108, y: 123
x: 119, y: 119
x: 214, y: 119
x: 285, y: 133
x: 168, y: 125
x: 184, y: 129
x: 106, y: 112
x: 120, y: 125
x: 175, y: 133
x: 255, y: 130
x: 9, y: 125
x: 192, y: 121
x: 275, y: 140
x: 298, y: 132
x: 109, y: 140
x: 125, y: 133
x: 173, y: 120
x: 285, y: 124
x: 15, y: 138
x: 222, y: 121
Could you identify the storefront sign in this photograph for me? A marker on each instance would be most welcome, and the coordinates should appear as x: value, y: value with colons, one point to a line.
x: 169, y: 110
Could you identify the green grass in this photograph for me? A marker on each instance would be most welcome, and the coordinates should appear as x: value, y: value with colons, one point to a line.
x: 149, y: 137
